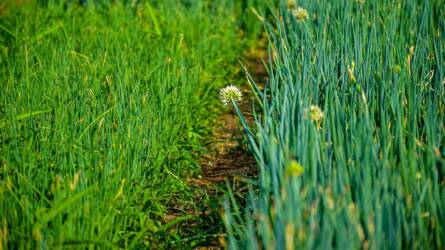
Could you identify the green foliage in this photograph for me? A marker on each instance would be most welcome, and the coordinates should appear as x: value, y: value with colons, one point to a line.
x: 105, y: 108
x: 374, y: 164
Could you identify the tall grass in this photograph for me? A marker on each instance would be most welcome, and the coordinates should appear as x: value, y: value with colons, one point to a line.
x: 104, y: 110
x: 374, y: 166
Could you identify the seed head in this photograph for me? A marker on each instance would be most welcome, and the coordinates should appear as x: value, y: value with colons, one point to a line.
x: 300, y: 13
x: 314, y: 113
x: 230, y: 93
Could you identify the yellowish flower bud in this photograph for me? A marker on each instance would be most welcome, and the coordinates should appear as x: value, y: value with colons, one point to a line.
x: 294, y: 169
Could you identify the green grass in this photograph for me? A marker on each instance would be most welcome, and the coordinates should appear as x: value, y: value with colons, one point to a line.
x: 105, y: 110
x: 374, y: 166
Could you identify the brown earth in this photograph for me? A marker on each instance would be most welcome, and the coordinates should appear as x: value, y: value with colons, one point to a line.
x: 230, y: 163
x: 232, y: 158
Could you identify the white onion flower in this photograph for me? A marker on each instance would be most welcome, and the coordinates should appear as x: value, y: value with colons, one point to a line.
x: 314, y: 113
x: 230, y: 93
x: 300, y: 13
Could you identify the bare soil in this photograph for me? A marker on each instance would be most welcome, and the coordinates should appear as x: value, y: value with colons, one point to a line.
x: 229, y: 163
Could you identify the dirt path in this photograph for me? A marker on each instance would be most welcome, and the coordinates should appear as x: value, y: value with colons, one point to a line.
x: 230, y: 162
x: 232, y: 158
x: 233, y: 163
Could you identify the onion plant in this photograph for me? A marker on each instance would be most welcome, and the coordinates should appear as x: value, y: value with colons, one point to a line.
x: 350, y: 138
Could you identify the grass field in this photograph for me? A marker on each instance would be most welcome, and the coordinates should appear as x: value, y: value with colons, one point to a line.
x: 105, y: 109
x: 350, y: 139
